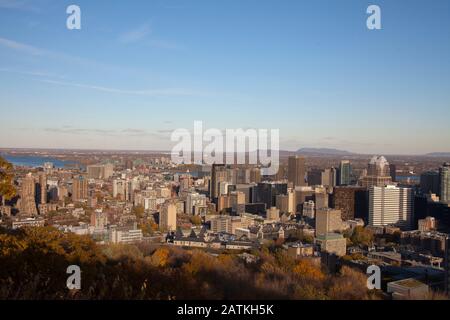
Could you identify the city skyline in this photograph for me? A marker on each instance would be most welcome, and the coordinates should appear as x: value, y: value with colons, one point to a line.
x: 128, y: 78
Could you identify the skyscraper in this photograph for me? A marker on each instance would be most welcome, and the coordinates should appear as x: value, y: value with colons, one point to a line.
x: 296, y: 170
x: 351, y: 200
x: 444, y: 177
x: 43, y: 188
x: 391, y: 205
x: 393, y: 171
x: 344, y: 173
x: 378, y: 173
x: 329, y: 177
x: 218, y: 174
x: 314, y: 177
x: 430, y: 182
x: 27, y: 204
x: 266, y: 192
x: 119, y: 188
x: 168, y: 217
x: 79, y: 188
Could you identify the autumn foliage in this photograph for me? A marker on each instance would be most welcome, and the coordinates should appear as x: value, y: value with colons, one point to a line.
x: 34, y: 261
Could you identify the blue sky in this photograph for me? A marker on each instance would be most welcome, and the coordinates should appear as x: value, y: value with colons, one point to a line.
x: 139, y: 69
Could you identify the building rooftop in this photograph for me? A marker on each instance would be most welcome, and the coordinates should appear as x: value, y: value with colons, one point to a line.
x: 410, y: 283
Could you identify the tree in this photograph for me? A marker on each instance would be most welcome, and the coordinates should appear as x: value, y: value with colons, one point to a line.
x: 306, y: 269
x: 197, y: 220
x: 349, y: 284
x: 362, y: 236
x: 138, y: 211
x: 7, y: 189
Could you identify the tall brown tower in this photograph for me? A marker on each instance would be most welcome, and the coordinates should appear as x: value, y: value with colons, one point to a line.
x: 79, y: 188
x: 296, y: 170
x: 27, y: 204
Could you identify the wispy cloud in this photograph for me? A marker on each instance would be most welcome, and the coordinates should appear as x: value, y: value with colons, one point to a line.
x: 135, y: 35
x: 144, y: 34
x: 148, y: 92
x: 33, y: 73
x: 128, y: 132
x: 25, y: 48
x: 62, y: 57
x: 19, y: 5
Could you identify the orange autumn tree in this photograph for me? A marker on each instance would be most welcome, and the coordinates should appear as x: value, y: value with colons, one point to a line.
x: 160, y: 257
x: 305, y: 269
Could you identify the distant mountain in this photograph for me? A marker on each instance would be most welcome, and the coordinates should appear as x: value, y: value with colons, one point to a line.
x: 438, y: 154
x: 323, y: 151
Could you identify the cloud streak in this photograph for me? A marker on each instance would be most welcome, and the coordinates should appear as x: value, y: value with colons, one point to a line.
x: 128, y: 132
x: 147, y: 92
x: 136, y: 34
x: 32, y: 73
x: 11, y: 44
x: 18, y: 5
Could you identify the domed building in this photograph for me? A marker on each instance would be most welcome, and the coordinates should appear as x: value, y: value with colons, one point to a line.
x: 378, y: 173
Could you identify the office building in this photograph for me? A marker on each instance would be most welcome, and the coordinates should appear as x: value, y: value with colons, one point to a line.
x: 218, y: 174
x: 391, y: 205
x: 314, y: 177
x: 328, y: 221
x: 444, y: 177
x: 266, y: 192
x: 42, y: 189
x: 193, y: 201
x: 237, y: 202
x: 309, y: 209
x: 430, y: 182
x: 125, y: 235
x: 321, y: 197
x: 79, y: 188
x: 296, y: 170
x: 378, y: 173
x: 393, y: 172
x: 119, y: 188
x: 286, y: 202
x: 344, y: 173
x: 27, y: 201
x: 329, y: 177
x: 352, y: 201
x: 168, y: 217
x: 100, y: 171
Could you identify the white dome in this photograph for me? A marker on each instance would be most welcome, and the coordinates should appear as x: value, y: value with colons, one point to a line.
x: 379, y: 161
